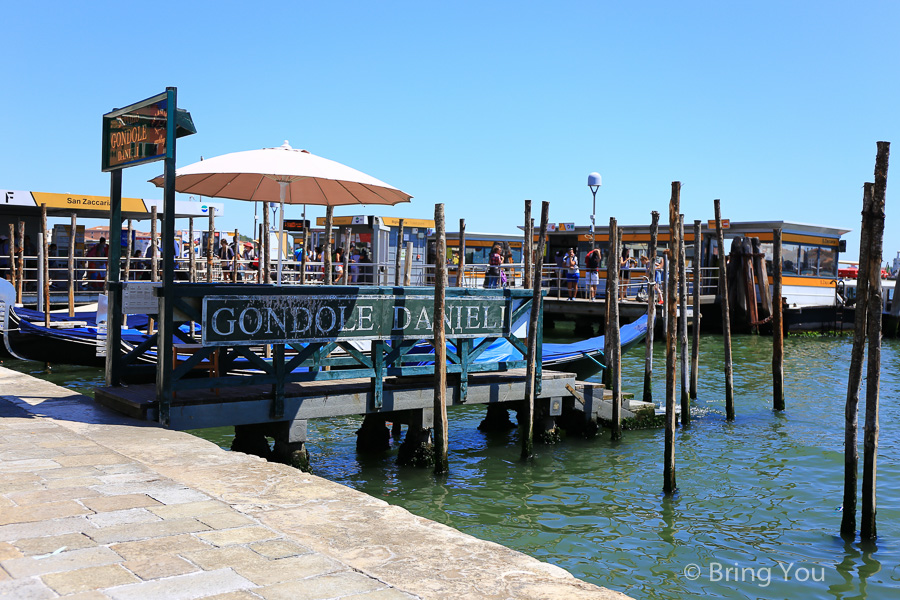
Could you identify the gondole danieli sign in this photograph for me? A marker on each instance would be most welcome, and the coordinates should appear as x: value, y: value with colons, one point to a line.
x: 135, y: 134
x: 245, y: 320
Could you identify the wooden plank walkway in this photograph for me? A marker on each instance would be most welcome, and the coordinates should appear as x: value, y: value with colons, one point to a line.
x: 202, y: 408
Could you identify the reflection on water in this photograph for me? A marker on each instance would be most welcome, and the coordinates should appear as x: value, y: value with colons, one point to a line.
x: 758, y: 506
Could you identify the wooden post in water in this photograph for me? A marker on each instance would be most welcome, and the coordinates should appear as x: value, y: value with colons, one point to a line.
x: 667, y: 254
x: 682, y: 324
x: 777, y: 327
x: 154, y: 256
x: 305, y: 254
x: 867, y: 526
x: 192, y: 265
x: 527, y: 243
x: 397, y: 272
x: 154, y: 246
x: 613, y: 350
x: 210, y: 244
x: 762, y: 278
x: 441, y: 460
x: 526, y: 427
x: 45, y: 265
x: 669, y: 485
x: 12, y: 255
x: 407, y: 265
x: 726, y: 317
x: 73, y: 224
x: 651, y: 308
x: 612, y: 297
x: 695, y: 320
x: 235, y: 264
x: 326, y: 251
x: 21, y: 261
x: 854, y: 379
x: 128, y: 250
x: 461, y: 268
x: 346, y: 256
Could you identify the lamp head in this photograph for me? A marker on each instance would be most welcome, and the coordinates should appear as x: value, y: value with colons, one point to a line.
x: 594, y: 181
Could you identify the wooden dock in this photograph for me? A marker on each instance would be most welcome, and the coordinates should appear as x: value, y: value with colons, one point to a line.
x: 228, y: 406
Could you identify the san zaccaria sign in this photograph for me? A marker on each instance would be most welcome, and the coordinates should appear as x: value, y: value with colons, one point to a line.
x: 245, y: 320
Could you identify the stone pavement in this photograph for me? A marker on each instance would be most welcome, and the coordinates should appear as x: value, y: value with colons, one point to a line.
x: 96, y: 506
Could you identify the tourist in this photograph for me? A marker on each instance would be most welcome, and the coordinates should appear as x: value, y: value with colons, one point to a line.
x: 492, y: 275
x: 572, y: 274
x: 592, y: 263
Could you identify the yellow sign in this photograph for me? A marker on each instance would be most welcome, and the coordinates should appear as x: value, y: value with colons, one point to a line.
x: 89, y: 202
x: 726, y: 224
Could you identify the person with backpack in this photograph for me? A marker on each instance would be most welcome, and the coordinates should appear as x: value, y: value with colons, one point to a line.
x: 492, y: 277
x: 592, y: 263
x: 571, y: 263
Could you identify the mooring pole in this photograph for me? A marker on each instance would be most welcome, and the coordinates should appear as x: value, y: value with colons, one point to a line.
x: 407, y: 265
x: 72, y: 224
x: 326, y: 253
x: 527, y: 243
x: 305, y: 254
x: 777, y: 326
x: 726, y: 317
x: 614, y: 351
x: 671, y: 334
x: 461, y: 267
x: 45, y: 265
x: 651, y: 308
x: 13, y: 276
x: 211, y: 244
x: 695, y: 317
x: 234, y: 259
x: 21, y: 261
x: 441, y: 460
x: 612, y: 297
x: 867, y: 526
x: 854, y: 378
x: 346, y: 256
x: 397, y: 272
x: 526, y: 427
x: 128, y: 250
x: 154, y: 259
x: 682, y: 325
x: 192, y: 266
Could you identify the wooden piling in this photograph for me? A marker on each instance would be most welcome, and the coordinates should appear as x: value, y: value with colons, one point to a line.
x: 777, y: 326
x: 527, y: 244
x: 407, y: 265
x: 326, y: 251
x: 397, y: 272
x: 682, y: 325
x: 867, y: 526
x: 461, y: 268
x: 71, y: 265
x: 12, y: 255
x: 210, y: 244
x: 45, y: 265
x: 192, y: 265
x: 128, y: 250
x: 613, y: 350
x: 526, y: 427
x: 651, y: 308
x: 695, y: 317
x: 346, y: 256
x: 21, y: 261
x: 235, y: 262
x: 266, y: 241
x: 304, y: 256
x: 762, y: 278
x: 669, y: 485
x: 667, y: 253
x: 441, y: 460
x: 854, y: 378
x: 726, y: 317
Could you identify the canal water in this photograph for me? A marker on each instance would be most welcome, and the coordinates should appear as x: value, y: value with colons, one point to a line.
x: 758, y: 506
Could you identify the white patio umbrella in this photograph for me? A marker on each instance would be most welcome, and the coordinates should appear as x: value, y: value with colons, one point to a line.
x: 284, y: 174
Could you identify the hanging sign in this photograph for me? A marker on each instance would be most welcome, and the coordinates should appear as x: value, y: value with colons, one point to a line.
x: 136, y: 134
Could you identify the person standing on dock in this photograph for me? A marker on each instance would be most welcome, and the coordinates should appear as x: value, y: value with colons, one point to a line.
x: 571, y: 263
x: 592, y: 262
x: 492, y: 278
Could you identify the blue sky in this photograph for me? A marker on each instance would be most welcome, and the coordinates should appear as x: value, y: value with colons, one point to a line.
x: 774, y: 107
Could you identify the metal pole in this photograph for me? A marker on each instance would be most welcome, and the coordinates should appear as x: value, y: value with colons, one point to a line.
x: 326, y: 254
x: 71, y: 264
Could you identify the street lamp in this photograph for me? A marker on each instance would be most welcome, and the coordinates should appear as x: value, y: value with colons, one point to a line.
x: 594, y: 183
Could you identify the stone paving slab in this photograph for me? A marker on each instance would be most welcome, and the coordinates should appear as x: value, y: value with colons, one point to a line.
x: 96, y: 506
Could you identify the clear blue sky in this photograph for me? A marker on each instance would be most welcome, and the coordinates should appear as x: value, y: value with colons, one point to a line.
x: 774, y: 107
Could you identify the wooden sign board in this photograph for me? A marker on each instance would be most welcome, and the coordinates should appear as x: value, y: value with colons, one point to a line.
x: 249, y: 320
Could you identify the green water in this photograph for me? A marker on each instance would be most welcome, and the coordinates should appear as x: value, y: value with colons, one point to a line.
x: 755, y: 497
